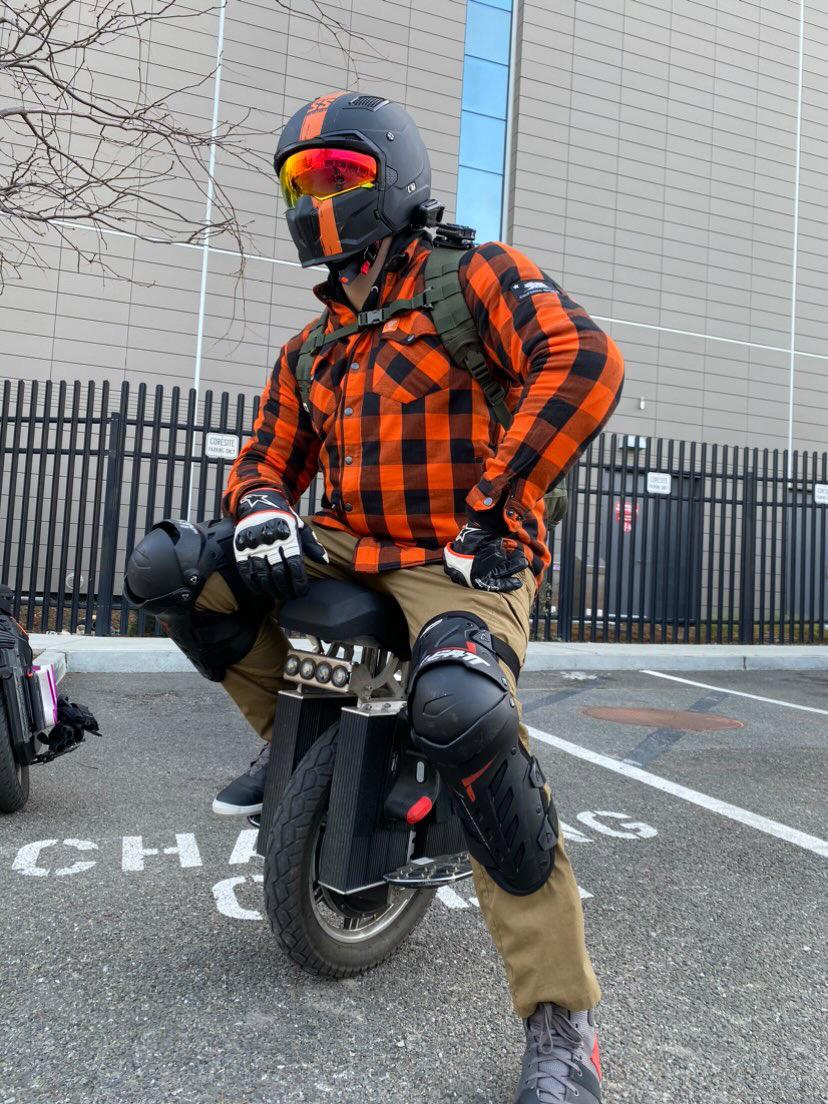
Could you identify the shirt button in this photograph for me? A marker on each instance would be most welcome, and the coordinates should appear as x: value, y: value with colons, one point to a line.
x: 349, y: 410
x: 488, y: 501
x: 349, y: 506
x: 349, y: 459
x: 355, y: 367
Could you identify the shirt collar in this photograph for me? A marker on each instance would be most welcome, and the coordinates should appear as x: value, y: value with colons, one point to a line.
x: 407, y: 251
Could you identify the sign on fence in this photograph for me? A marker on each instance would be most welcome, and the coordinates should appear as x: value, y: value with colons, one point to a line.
x: 821, y: 494
x: 221, y: 446
x: 659, y: 483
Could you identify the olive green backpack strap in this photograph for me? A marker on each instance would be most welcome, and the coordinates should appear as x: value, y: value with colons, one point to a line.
x: 307, y: 354
x: 457, y: 329
x: 555, y: 504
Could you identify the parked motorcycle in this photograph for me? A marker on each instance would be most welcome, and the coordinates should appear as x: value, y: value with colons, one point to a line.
x: 356, y: 832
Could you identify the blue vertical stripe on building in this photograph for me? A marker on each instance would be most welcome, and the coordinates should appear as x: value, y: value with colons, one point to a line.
x: 483, y: 117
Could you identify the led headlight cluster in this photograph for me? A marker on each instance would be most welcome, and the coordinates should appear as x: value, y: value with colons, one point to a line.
x: 292, y: 665
x: 317, y: 671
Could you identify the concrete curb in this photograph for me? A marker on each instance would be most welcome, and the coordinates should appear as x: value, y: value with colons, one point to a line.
x: 676, y: 657
x: 57, y: 661
x: 102, y: 655
x: 88, y: 654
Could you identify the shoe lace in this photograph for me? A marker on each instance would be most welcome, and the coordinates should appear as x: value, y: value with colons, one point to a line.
x: 554, y: 1040
x: 260, y: 761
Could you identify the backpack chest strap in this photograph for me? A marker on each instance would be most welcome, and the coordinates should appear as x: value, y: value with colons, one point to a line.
x: 366, y: 319
x: 317, y: 339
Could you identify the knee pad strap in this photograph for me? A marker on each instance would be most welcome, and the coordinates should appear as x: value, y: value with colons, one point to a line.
x: 211, y: 641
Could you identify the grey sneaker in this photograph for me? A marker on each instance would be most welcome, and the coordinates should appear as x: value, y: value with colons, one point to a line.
x: 244, y: 794
x: 562, y: 1062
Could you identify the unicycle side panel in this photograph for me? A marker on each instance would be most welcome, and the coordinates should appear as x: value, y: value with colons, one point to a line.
x: 360, y: 844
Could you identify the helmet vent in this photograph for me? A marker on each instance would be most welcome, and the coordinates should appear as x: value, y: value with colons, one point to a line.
x: 370, y: 103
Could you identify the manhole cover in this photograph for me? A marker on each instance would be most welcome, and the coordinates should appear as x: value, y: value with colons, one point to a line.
x: 682, y: 719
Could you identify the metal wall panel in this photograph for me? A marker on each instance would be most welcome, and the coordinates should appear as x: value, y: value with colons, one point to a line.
x: 652, y: 172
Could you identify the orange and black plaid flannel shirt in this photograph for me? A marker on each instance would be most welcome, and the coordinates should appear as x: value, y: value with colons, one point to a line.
x: 404, y: 438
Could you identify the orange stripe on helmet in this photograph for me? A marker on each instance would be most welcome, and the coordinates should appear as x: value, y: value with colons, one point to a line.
x: 328, y: 233
x: 315, y: 116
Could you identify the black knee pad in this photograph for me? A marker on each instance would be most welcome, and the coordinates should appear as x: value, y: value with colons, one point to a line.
x: 165, y: 575
x: 464, y: 720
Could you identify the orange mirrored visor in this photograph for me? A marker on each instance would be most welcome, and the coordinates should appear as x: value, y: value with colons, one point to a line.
x: 323, y: 173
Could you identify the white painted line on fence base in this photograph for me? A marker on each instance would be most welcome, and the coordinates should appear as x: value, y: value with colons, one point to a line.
x: 738, y: 693
x: 723, y: 808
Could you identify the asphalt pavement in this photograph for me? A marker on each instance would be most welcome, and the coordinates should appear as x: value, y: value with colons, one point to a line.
x: 140, y: 967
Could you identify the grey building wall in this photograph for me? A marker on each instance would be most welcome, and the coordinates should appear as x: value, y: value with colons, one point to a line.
x: 654, y: 170
x: 653, y: 167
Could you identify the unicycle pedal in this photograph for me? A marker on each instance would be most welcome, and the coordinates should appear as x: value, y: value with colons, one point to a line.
x: 428, y: 873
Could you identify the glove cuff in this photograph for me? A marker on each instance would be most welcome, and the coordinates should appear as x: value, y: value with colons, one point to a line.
x: 263, y: 498
x: 492, y: 520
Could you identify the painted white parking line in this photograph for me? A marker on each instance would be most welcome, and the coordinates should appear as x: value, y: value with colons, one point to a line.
x: 723, y: 808
x: 451, y: 898
x: 738, y: 693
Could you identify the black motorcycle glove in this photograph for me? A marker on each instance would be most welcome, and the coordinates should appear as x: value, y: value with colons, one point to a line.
x: 73, y: 722
x: 484, y: 560
x: 269, y: 542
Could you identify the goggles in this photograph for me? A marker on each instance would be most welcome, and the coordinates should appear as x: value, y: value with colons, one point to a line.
x: 322, y: 173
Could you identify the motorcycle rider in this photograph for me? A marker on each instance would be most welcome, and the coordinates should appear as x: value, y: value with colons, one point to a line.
x: 428, y: 499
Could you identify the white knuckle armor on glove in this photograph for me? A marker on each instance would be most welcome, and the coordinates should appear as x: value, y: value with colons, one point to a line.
x: 269, y: 543
x: 484, y: 560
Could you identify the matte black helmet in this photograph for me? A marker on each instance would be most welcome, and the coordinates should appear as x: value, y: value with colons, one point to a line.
x: 359, y: 211
x: 170, y: 565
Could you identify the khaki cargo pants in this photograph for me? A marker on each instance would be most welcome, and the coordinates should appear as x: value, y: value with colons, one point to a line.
x: 540, y: 937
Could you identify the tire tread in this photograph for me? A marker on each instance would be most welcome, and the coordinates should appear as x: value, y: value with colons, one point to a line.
x: 14, y: 791
x: 285, y: 867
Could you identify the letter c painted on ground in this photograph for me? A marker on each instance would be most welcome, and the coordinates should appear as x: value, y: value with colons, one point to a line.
x: 26, y: 859
x: 227, y: 903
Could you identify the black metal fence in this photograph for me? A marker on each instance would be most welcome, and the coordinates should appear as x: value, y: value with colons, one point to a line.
x: 665, y: 541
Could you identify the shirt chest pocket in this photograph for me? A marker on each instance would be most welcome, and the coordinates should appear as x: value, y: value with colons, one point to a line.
x: 409, y: 359
x: 323, y: 395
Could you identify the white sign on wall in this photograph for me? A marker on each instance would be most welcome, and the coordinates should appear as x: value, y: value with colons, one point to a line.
x: 221, y: 446
x: 659, y: 483
x: 821, y: 494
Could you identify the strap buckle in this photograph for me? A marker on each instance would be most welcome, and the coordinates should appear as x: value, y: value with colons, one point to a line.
x: 370, y: 318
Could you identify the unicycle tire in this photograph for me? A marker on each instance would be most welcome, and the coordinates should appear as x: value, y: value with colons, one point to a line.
x: 14, y: 776
x: 325, y: 933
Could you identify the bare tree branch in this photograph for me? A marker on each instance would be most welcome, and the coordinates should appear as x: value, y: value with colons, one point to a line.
x: 79, y: 147
x: 74, y: 154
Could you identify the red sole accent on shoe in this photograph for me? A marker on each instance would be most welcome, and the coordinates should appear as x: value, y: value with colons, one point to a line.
x: 595, y: 1058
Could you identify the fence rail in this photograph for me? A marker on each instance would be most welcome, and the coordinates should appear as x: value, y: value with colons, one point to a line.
x: 665, y: 541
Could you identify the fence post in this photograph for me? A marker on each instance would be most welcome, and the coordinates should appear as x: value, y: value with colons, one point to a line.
x: 566, y: 582
x: 111, y: 518
x: 747, y: 588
